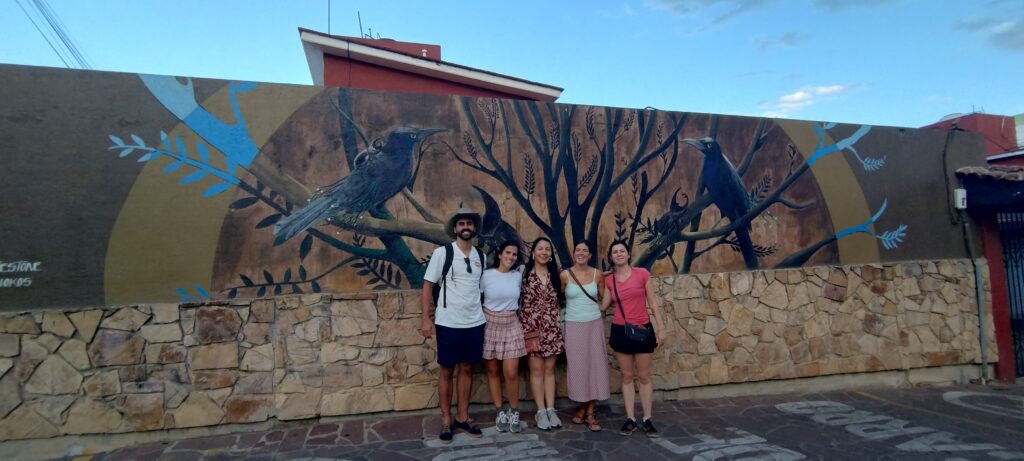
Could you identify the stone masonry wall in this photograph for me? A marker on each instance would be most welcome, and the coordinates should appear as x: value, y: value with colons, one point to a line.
x: 153, y: 367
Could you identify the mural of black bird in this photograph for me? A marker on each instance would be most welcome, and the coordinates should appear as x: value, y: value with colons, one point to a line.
x: 493, y: 229
x: 377, y: 175
x: 727, y: 192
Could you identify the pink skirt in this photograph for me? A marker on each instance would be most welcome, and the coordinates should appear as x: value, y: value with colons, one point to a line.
x: 586, y: 361
x: 503, y: 337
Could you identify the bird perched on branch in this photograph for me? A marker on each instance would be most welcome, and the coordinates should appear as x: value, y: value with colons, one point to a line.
x: 727, y: 192
x: 494, y: 230
x: 378, y: 173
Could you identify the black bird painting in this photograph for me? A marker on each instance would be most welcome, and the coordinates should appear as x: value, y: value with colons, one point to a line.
x: 727, y: 192
x: 377, y: 175
x: 493, y: 229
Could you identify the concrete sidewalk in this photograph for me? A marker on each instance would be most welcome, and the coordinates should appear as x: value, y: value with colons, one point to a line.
x: 950, y: 423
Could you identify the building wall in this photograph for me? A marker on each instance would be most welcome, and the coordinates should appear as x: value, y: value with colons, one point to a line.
x: 122, y: 189
x: 139, y: 368
x: 342, y: 72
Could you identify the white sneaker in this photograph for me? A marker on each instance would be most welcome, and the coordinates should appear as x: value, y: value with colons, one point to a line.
x: 514, y: 424
x: 553, y: 418
x: 501, y: 421
x: 542, y: 420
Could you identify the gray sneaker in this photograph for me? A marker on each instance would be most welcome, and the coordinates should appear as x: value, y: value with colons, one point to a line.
x: 553, y: 418
x: 514, y: 424
x: 501, y: 421
x: 542, y: 420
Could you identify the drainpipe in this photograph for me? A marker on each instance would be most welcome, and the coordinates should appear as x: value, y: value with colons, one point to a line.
x: 979, y: 294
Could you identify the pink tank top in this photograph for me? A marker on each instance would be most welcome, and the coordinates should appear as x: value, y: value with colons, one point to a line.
x: 634, y: 297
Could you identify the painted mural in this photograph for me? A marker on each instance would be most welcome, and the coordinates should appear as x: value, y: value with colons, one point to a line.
x: 123, y: 188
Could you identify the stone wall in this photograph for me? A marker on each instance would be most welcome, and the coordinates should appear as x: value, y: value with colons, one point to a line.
x: 152, y: 367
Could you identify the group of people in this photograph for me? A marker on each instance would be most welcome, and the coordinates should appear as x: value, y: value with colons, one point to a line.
x: 499, y: 314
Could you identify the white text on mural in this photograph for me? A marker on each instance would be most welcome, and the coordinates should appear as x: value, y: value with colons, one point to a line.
x: 16, y: 268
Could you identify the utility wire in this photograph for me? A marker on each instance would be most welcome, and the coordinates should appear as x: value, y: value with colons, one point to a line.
x: 55, y: 34
x: 45, y: 37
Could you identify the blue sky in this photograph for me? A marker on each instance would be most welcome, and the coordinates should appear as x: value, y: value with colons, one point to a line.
x: 884, y: 62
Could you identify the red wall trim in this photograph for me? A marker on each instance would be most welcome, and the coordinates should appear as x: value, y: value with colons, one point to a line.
x: 345, y: 73
x: 993, y: 250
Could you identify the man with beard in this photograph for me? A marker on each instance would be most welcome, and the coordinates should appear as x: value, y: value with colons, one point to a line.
x: 459, y: 319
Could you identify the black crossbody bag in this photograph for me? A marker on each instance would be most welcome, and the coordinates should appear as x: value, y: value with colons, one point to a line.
x: 637, y: 333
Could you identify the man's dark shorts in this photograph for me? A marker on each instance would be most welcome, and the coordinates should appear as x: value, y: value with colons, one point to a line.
x: 460, y: 345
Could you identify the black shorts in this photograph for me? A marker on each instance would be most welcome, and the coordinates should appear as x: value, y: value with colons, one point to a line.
x: 620, y: 343
x: 460, y: 345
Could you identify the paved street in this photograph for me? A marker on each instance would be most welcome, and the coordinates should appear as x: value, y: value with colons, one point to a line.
x: 946, y: 423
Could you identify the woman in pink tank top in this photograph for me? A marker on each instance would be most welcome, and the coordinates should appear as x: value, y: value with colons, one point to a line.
x: 629, y: 291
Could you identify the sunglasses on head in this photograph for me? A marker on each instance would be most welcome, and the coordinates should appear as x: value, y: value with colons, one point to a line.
x: 468, y: 267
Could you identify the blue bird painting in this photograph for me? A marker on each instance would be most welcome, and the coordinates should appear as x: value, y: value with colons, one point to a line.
x: 377, y: 175
x: 727, y: 192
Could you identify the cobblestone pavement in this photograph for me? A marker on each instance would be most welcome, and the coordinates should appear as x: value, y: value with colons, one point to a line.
x: 947, y: 423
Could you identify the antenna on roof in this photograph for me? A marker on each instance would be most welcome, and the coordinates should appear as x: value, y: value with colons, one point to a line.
x: 328, y: 17
x: 360, y: 24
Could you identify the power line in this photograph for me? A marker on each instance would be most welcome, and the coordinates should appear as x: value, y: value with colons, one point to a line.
x: 45, y: 37
x: 61, y: 42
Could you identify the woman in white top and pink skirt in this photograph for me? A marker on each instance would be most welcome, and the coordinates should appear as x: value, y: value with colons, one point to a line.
x: 503, y: 337
x: 585, y: 352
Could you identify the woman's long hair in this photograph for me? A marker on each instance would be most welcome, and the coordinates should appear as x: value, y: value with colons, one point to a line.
x: 552, y: 266
x: 629, y: 251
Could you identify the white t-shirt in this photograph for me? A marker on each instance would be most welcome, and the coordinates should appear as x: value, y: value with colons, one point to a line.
x: 501, y: 291
x: 462, y: 291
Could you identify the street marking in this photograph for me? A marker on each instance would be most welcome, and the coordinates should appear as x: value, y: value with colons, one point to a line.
x: 515, y: 447
x: 937, y: 413
x: 876, y: 427
x: 749, y: 445
x: 1013, y: 406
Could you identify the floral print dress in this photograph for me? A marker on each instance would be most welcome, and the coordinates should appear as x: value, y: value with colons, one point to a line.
x: 539, y: 312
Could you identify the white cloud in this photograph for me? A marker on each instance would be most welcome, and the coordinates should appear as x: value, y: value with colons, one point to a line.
x: 787, y: 104
x: 1004, y: 34
x: 719, y: 10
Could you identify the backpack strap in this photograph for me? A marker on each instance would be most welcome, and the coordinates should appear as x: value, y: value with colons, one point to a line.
x: 449, y: 255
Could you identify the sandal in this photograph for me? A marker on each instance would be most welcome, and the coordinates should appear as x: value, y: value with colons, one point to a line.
x: 578, y: 418
x: 592, y: 423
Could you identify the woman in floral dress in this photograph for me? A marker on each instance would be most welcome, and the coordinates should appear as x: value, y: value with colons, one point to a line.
x: 539, y: 313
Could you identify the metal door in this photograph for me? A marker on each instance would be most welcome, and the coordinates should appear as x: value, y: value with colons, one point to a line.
x: 1011, y: 230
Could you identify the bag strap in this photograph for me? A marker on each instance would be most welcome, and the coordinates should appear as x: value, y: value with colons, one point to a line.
x: 618, y: 300
x: 449, y: 255
x: 584, y: 290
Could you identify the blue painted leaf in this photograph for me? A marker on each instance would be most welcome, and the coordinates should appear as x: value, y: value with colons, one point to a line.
x: 382, y: 286
x: 182, y: 149
x: 246, y: 280
x: 216, y: 189
x: 296, y: 289
x: 147, y: 157
x: 277, y: 289
x: 302, y: 273
x: 138, y: 140
x: 192, y: 177
x: 389, y: 273
x: 173, y: 167
x: 163, y: 137
x: 269, y: 278
x: 316, y: 287
x: 203, y: 152
x: 233, y: 293
x: 116, y: 140
x: 307, y: 244
x: 364, y: 272
x: 201, y: 291
x: 184, y: 294
x: 287, y: 275
x: 359, y: 264
x: 269, y: 220
x: 126, y: 152
x: 244, y: 203
x: 398, y: 278
x: 262, y: 292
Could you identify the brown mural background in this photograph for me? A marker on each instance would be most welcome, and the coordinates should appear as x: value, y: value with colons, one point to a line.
x: 130, y: 189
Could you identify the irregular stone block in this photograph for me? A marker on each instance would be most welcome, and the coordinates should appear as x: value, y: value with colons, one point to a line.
x: 256, y: 333
x: 416, y: 397
x: 162, y: 333
x: 52, y: 408
x: 57, y: 323
x: 217, y: 324
x: 32, y: 354
x: 23, y: 324
x: 403, y: 332
x: 298, y: 406
x: 356, y: 401
x: 102, y: 384
x: 165, y: 353
x: 247, y: 408
x: 214, y: 379
x: 775, y: 296
x: 352, y: 318
x: 714, y: 325
x: 262, y: 310
x: 197, y: 410
x: 259, y: 358
x: 49, y: 341
x: 74, y: 351
x: 10, y: 394
x: 165, y: 313
x: 341, y: 376
x: 90, y: 416
x: 10, y: 345
x: 718, y: 289
x: 257, y: 382
x: 334, y: 352
x: 142, y: 412
x: 24, y: 423
x: 222, y: 355
x: 86, y: 323
x: 125, y: 319
x: 116, y: 348
x: 54, y: 377
x: 740, y: 283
